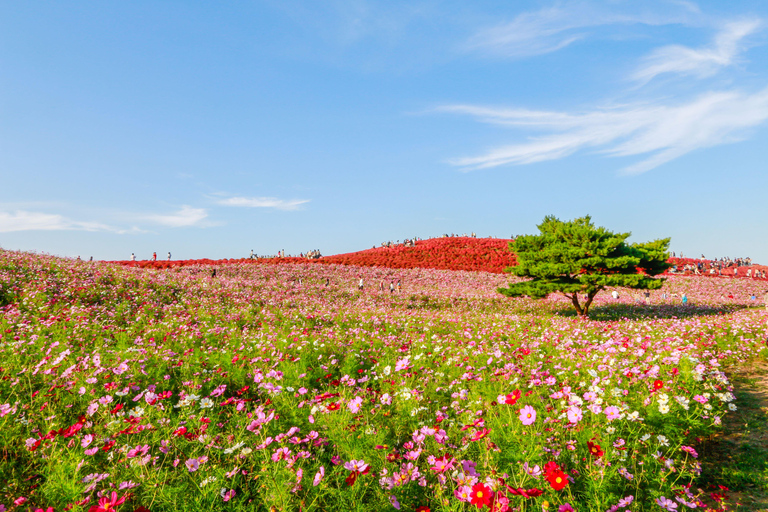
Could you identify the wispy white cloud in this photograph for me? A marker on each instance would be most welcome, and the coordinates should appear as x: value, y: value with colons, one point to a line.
x: 705, y: 61
x: 553, y: 28
x: 22, y: 220
x: 264, y: 202
x: 185, y: 217
x: 662, y: 132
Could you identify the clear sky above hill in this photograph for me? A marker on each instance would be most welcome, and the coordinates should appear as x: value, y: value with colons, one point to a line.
x: 210, y: 129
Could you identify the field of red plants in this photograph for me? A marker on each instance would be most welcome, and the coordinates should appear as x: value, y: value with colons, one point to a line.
x: 451, y: 253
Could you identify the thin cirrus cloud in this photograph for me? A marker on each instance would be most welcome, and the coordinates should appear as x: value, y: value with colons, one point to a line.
x: 185, y: 217
x: 553, y: 28
x: 700, y: 62
x: 23, y: 220
x: 264, y: 202
x: 659, y: 132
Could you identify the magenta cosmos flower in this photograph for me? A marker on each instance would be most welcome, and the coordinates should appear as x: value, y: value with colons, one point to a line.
x: 527, y: 415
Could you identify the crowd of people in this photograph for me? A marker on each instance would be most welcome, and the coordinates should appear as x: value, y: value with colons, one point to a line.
x: 721, y: 267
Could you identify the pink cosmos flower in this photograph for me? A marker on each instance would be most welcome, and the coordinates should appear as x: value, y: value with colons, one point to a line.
x: 355, y: 465
x: 690, y: 451
x: 574, y: 414
x: 192, y: 465
x: 528, y: 415
x: 612, y: 412
x: 354, y: 404
x: 463, y: 493
x: 402, y: 364
x: 319, y: 476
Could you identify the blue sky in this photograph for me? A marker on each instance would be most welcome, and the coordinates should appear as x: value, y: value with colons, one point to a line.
x: 210, y: 130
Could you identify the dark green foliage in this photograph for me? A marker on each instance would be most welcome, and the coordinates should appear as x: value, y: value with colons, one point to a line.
x: 576, y: 258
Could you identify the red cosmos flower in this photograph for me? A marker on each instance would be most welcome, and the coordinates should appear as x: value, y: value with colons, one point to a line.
x: 525, y: 493
x: 657, y: 384
x: 512, y: 398
x: 557, y: 479
x: 334, y: 406
x: 480, y: 495
x: 116, y: 408
x: 392, y: 456
x: 107, y: 504
x: 479, y: 434
x: 550, y: 466
x: 595, y: 449
x: 423, y: 508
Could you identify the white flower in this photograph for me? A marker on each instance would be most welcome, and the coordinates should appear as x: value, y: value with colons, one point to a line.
x: 206, y: 403
x: 662, y: 440
x: 732, y: 407
x: 645, y: 437
x: 663, y: 408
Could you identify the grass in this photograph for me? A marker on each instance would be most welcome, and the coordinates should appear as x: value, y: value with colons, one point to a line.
x: 738, y: 456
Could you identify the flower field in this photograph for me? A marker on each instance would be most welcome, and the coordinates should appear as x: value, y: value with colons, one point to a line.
x: 284, y: 387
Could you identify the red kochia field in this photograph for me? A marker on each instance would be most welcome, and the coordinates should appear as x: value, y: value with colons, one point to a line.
x: 451, y: 253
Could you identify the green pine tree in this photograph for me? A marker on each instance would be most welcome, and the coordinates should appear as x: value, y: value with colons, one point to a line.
x: 577, y: 259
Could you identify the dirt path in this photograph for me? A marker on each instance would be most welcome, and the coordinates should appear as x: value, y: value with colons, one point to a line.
x: 738, y: 457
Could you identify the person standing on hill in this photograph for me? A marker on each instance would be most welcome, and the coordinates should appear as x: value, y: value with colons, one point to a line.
x: 133, y: 257
x: 169, y: 255
x: 685, y: 299
x: 398, y: 286
x: 154, y: 256
x: 391, y: 287
x: 360, y: 284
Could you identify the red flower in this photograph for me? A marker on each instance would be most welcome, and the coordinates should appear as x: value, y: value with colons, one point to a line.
x: 512, y: 398
x: 550, y: 466
x: 657, y: 384
x: 480, y: 495
x: 525, y: 493
x: 107, y: 504
x: 423, y: 508
x: 595, y: 449
x: 557, y: 479
x: 479, y: 434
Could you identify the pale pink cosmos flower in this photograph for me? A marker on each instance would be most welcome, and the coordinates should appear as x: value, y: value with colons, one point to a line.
x: 192, y: 465
x: 354, y: 404
x: 355, y: 465
x: 612, y: 412
x: 574, y: 414
x: 319, y: 476
x: 528, y: 415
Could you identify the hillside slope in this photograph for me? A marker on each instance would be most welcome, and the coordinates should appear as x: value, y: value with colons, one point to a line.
x: 449, y: 253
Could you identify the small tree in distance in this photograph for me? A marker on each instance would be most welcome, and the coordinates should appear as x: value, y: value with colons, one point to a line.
x: 575, y: 257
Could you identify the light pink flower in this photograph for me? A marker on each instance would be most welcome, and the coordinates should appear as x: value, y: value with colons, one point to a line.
x: 319, y: 476
x: 528, y: 415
